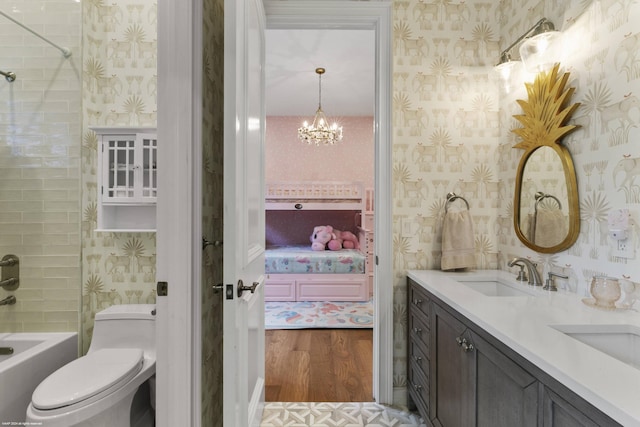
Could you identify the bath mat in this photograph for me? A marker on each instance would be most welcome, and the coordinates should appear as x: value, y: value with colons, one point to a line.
x: 318, y: 314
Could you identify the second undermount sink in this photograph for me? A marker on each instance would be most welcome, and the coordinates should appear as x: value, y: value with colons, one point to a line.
x: 497, y: 287
x: 621, y: 342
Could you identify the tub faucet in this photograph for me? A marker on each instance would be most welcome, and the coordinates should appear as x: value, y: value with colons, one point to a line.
x: 8, y: 300
x: 534, y: 276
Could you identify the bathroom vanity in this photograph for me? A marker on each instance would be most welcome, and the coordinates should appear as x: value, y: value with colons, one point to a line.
x: 484, y: 349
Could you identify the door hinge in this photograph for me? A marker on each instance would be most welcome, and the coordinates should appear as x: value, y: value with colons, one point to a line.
x: 376, y: 259
x: 162, y: 289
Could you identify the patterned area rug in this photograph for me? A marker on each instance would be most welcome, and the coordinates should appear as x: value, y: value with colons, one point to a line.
x: 318, y: 314
x: 292, y: 414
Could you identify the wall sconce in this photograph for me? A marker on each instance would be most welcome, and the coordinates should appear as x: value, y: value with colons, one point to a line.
x: 533, y: 51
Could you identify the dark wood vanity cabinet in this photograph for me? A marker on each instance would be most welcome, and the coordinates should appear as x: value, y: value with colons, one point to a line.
x: 474, y: 383
x: 419, y: 347
x: 461, y: 376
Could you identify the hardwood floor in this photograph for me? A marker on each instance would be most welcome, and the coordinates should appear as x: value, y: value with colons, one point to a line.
x: 319, y: 365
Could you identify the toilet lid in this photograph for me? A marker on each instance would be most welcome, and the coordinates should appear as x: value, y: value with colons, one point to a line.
x: 98, y: 372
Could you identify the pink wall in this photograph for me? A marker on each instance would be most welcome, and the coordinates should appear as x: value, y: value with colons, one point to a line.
x: 288, y: 159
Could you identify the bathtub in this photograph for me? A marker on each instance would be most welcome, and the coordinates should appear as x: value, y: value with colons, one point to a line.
x: 35, y: 356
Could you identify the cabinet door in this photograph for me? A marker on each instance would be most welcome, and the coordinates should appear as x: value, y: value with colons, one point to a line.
x: 451, y: 393
x: 129, y: 168
x: 148, y: 143
x: 506, y: 394
x: 118, y: 166
x: 557, y: 412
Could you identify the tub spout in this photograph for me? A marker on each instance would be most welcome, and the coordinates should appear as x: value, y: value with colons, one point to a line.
x: 10, y: 300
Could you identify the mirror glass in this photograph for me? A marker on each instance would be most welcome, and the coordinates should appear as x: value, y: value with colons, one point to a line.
x: 544, y: 205
x: 546, y: 210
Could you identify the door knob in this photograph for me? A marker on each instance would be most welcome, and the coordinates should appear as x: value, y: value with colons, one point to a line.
x: 242, y: 287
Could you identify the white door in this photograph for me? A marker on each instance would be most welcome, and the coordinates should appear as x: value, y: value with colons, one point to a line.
x: 243, y: 256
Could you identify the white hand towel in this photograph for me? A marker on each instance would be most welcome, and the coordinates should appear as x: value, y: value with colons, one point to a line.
x: 458, y: 241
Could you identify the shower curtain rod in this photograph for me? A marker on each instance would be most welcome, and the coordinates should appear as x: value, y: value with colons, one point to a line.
x: 65, y: 51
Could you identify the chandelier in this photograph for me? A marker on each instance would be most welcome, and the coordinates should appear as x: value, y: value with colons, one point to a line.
x: 319, y: 132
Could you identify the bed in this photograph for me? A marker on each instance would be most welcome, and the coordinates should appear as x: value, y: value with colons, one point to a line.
x: 295, y: 272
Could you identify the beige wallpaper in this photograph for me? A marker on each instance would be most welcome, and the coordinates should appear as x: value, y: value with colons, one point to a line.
x: 601, y: 51
x: 452, y: 124
x: 119, y: 77
x: 445, y: 138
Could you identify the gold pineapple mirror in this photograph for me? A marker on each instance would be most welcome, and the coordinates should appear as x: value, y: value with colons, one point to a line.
x: 546, y: 208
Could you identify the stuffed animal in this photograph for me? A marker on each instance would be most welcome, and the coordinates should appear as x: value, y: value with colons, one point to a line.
x: 321, y: 236
x: 327, y: 237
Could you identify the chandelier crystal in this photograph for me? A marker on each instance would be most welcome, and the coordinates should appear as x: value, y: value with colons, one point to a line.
x: 320, y: 132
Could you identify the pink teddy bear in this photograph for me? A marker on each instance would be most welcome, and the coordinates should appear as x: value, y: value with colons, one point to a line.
x: 327, y: 237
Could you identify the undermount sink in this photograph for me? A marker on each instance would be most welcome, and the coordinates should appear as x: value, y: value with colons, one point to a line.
x: 497, y: 288
x: 621, y: 342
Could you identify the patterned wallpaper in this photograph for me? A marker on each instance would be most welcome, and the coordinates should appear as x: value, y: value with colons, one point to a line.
x: 452, y: 123
x: 446, y: 127
x: 119, y: 76
x: 606, y: 74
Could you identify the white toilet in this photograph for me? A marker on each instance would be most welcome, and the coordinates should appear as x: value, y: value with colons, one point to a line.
x: 113, y: 385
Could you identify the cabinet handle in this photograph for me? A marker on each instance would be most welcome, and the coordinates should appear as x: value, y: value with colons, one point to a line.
x: 417, y: 301
x: 466, y: 345
x: 417, y: 358
x: 417, y: 330
x: 417, y: 387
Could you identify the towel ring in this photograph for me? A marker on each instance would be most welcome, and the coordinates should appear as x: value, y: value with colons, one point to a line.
x: 540, y: 196
x: 451, y: 197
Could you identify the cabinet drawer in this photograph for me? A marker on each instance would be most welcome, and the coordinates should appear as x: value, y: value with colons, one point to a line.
x: 355, y: 289
x: 418, y: 299
x: 419, y: 328
x: 280, y: 290
x: 419, y: 356
x: 419, y: 390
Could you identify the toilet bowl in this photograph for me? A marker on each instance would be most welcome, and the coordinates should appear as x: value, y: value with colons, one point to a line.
x: 113, y: 385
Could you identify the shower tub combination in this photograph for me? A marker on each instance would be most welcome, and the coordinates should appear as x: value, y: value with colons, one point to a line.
x: 34, y: 357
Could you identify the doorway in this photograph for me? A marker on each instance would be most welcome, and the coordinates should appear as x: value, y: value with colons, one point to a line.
x: 179, y: 382
x: 376, y: 17
x: 305, y: 332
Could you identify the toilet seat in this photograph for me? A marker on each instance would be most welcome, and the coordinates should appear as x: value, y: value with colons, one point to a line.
x: 88, y: 378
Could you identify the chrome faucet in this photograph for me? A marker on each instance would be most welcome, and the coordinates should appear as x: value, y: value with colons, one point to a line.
x: 534, y: 276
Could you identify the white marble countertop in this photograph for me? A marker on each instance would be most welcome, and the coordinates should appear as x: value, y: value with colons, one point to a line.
x: 522, y: 323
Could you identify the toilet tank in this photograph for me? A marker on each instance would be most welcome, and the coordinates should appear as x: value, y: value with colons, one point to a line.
x: 125, y: 326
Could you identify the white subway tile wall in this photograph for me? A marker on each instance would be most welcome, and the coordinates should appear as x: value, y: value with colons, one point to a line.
x: 40, y: 127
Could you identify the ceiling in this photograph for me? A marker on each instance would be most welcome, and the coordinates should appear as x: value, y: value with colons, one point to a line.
x: 348, y: 85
